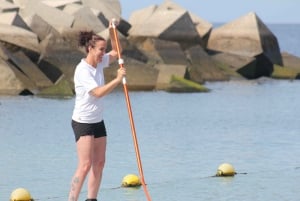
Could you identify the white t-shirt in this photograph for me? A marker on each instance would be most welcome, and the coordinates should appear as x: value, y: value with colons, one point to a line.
x: 88, y: 108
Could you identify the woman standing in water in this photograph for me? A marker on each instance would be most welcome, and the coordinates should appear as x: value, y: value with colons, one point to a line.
x: 87, y: 119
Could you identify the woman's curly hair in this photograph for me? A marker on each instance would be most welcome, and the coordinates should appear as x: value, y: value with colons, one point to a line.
x: 88, y: 39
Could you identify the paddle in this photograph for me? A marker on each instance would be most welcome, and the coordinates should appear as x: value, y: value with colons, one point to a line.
x: 114, y: 38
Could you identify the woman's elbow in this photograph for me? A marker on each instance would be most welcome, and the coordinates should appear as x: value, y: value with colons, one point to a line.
x: 96, y: 93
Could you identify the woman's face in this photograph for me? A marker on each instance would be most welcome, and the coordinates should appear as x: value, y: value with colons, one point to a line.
x: 98, y: 51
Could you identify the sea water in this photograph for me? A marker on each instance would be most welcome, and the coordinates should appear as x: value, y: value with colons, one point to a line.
x: 183, y: 138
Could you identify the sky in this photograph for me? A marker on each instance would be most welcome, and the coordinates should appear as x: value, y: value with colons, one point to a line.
x: 223, y: 11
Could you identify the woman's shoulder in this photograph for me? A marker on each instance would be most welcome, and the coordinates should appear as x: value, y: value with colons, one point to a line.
x: 83, y: 65
x: 105, y: 61
x: 83, y: 68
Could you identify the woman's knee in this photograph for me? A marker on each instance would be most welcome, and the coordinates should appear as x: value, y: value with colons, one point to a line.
x: 84, y: 167
x: 99, y: 165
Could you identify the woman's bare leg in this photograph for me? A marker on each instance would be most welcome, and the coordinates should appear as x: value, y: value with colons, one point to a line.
x: 95, y: 174
x: 85, y: 147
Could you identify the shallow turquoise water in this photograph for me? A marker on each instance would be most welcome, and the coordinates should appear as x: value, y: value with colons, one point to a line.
x: 183, y: 138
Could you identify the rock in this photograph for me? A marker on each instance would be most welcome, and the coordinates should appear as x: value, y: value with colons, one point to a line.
x: 19, y: 37
x: 20, y: 3
x: 290, y: 70
x: 85, y: 19
x: 139, y: 17
x: 3, y: 52
x: 13, y: 19
x: 202, y: 68
x: 247, y: 67
x: 139, y: 76
x: 166, y: 72
x: 246, y: 36
x: 178, y: 85
x: 109, y: 8
x: 162, y: 51
x: 21, y: 61
x: 174, y: 25
x: 62, y: 89
x: 42, y: 28
x: 203, y: 28
x: 231, y: 63
x: 7, y: 6
x: 61, y: 56
x: 291, y: 61
x: 260, y: 67
x: 60, y: 3
x: 53, y: 16
x: 281, y: 72
x: 133, y: 52
x: 50, y: 70
x: 13, y: 81
x: 124, y: 27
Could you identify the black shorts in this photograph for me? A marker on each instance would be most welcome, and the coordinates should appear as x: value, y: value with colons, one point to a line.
x: 83, y: 129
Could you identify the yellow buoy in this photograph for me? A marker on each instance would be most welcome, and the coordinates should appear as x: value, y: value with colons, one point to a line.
x: 225, y: 169
x: 131, y: 180
x: 20, y: 194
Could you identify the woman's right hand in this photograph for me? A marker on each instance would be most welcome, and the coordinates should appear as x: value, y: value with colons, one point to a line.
x: 121, y: 74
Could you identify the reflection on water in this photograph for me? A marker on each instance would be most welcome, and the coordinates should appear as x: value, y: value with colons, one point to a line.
x: 183, y: 138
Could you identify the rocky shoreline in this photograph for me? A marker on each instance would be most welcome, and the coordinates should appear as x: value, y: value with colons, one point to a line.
x: 165, y: 47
